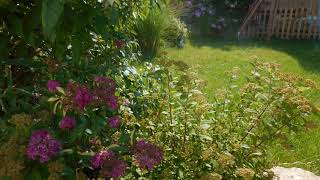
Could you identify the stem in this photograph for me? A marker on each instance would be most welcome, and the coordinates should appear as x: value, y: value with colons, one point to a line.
x: 186, y: 117
x: 255, y: 123
x: 170, y: 106
x: 277, y: 131
x: 169, y: 98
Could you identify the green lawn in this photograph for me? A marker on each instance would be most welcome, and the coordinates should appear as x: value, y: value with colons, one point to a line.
x: 216, y: 57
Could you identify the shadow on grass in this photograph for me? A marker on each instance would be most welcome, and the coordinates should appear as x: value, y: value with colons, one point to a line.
x: 307, y: 52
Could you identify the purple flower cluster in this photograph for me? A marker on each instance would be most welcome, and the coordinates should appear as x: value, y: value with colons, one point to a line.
x: 112, y: 102
x: 97, y: 160
x: 67, y: 123
x: 42, y: 146
x: 113, y: 167
x: 52, y: 85
x: 104, y: 92
x: 83, y: 97
x: 114, y: 121
x: 200, y: 8
x: 109, y: 164
x: 147, y: 155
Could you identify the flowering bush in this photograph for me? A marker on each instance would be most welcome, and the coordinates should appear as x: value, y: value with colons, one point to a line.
x: 85, y: 134
x: 224, y: 139
x: 60, y: 40
x: 159, y: 125
x: 218, y: 16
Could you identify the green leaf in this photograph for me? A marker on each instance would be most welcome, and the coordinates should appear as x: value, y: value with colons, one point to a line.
x: 51, y: 12
x: 21, y: 62
x: 88, y: 131
x: 76, y: 48
x: 101, y: 28
x: 15, y: 25
x: 119, y: 149
x: 67, y: 151
x: 34, y: 175
x: 124, y: 138
x: 60, y: 89
x: 32, y: 21
x: 53, y: 99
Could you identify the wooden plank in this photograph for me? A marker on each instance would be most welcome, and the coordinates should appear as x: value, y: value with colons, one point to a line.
x: 251, y: 13
x: 310, y: 19
x: 305, y: 23
x: 300, y: 21
x: 315, y: 14
x: 270, y: 24
x: 295, y: 22
x: 264, y: 22
x: 288, y: 35
x: 279, y: 24
x: 284, y: 24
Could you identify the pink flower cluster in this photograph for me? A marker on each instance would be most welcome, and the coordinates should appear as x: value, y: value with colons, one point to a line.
x: 81, y: 96
x: 147, y: 155
x: 114, y: 121
x: 42, y: 146
x: 52, y: 85
x: 109, y: 164
x: 67, y: 123
x: 104, y: 92
x: 97, y: 160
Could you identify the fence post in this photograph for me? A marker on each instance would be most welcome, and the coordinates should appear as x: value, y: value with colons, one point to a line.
x: 270, y: 21
x: 318, y: 16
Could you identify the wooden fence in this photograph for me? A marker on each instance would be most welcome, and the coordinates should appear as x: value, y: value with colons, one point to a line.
x: 285, y: 19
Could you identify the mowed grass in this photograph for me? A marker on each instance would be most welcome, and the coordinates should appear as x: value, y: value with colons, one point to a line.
x: 215, y: 57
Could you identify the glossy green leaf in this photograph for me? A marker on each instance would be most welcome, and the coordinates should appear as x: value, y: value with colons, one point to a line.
x: 51, y: 13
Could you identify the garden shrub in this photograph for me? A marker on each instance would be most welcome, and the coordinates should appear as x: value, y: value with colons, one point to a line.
x: 43, y: 40
x: 176, y: 33
x: 225, y: 139
x: 150, y: 30
x: 84, y: 135
x: 160, y: 25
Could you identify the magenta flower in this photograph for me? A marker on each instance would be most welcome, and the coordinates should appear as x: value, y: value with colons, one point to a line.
x: 114, y: 121
x: 109, y: 164
x: 147, y: 155
x: 42, y: 146
x: 67, y: 123
x: 83, y: 97
x: 118, y: 43
x: 97, y: 160
x: 113, y: 167
x: 52, y: 85
x: 112, y: 102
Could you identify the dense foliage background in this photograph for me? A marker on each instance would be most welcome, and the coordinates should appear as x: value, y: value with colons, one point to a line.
x: 216, y: 17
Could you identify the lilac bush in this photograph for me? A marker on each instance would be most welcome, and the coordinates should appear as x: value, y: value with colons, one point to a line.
x: 220, y: 15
